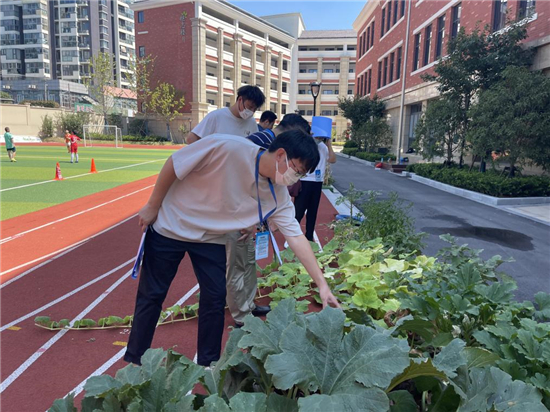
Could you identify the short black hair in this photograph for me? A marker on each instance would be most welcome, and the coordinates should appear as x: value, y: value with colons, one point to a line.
x: 6, y: 129
x: 269, y: 116
x: 298, y: 145
x: 292, y: 121
x: 252, y: 93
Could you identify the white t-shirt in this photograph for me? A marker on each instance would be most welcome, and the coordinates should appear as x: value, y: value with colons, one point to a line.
x: 215, y: 193
x: 318, y: 175
x: 223, y: 121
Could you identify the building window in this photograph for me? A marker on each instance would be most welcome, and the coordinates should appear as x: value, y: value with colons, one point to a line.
x: 416, y: 113
x: 283, y: 109
x: 416, y: 57
x: 328, y: 70
x: 141, y: 16
x: 398, y: 70
x: 369, y: 79
x: 385, y: 71
x: 389, y: 14
x: 392, y: 66
x: 402, y: 13
x: 526, y: 8
x: 350, y: 91
x: 372, y: 35
x: 383, y: 22
x: 457, y: 11
x: 285, y: 65
x: 361, y: 44
x: 440, y: 36
x: 499, y: 20
x: 368, y: 38
x: 379, y: 74
x: 326, y: 113
x: 427, y: 45
x: 284, y: 88
x: 312, y: 71
x: 302, y: 112
x: 395, y: 10
x: 141, y: 51
x: 309, y: 113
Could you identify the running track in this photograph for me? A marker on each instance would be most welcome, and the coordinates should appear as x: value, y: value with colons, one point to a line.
x: 72, y: 260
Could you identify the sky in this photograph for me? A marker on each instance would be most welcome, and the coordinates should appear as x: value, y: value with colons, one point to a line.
x: 317, y: 15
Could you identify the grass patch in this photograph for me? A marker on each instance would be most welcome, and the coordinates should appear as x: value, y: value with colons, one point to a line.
x: 36, y: 164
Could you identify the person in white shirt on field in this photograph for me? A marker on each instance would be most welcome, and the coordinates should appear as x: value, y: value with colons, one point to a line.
x: 205, y: 191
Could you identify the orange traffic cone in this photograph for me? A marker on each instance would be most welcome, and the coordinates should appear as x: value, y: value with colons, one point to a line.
x: 93, y: 169
x: 58, y: 172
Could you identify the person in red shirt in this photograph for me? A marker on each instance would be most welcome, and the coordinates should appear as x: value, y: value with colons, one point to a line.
x: 74, y: 146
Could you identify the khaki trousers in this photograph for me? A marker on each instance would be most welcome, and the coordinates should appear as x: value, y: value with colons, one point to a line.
x: 241, y: 278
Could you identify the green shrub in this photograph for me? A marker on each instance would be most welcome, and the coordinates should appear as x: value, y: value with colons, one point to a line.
x: 351, y: 143
x: 128, y: 138
x: 137, y: 127
x: 490, y: 183
x: 74, y: 122
x: 41, y: 103
x: 350, y: 151
x: 47, y: 128
x: 375, y: 157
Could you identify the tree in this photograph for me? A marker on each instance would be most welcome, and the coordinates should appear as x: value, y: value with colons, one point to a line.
x: 166, y: 103
x: 361, y: 111
x: 374, y: 134
x: 476, y: 61
x: 142, y: 69
x: 100, y: 84
x: 438, y: 130
x: 513, y: 117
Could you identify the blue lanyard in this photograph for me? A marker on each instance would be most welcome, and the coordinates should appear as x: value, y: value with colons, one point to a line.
x: 263, y: 219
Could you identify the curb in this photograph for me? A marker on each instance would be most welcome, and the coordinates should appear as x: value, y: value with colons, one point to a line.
x: 343, y: 208
x: 478, y: 197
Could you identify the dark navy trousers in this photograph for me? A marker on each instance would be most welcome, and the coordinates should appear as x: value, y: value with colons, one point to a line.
x: 161, y: 259
x: 308, y: 199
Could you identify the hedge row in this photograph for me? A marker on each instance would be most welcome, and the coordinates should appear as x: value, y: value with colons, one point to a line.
x: 489, y: 183
x: 371, y: 157
x: 129, y: 138
x: 42, y: 103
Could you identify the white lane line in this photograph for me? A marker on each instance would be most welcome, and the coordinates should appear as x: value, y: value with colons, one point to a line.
x: 65, y: 296
x: 80, y: 387
x: 84, y: 174
x: 72, y: 247
x: 18, y: 235
x: 15, y: 374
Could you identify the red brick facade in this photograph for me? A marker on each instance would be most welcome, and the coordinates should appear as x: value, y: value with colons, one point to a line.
x: 166, y: 34
x: 427, y: 17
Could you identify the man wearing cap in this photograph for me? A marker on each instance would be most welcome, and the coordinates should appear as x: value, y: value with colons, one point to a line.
x: 312, y: 184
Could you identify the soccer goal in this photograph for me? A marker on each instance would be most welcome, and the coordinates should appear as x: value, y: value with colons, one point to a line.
x: 95, y: 134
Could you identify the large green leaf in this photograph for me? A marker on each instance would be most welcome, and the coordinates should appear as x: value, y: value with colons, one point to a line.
x: 154, y: 395
x: 492, y: 389
x: 183, y: 377
x: 354, y: 398
x: 278, y: 403
x: 100, y: 385
x: 249, y: 402
x: 450, y: 358
x: 367, y: 298
x: 479, y: 357
x: 402, y: 401
x: 263, y: 337
x: 64, y: 404
x: 318, y: 357
x: 151, y: 361
x: 542, y: 300
x: 130, y: 374
x: 423, y: 367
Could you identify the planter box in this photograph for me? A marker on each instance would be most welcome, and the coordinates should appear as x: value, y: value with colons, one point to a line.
x: 394, y: 167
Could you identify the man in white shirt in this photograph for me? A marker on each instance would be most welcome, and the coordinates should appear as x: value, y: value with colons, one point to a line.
x: 237, y: 120
x: 221, y: 204
x: 312, y: 184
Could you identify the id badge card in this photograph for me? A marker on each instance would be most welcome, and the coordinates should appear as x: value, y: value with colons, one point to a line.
x: 318, y: 175
x: 262, y: 245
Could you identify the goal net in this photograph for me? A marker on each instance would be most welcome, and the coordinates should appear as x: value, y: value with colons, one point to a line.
x: 98, y: 134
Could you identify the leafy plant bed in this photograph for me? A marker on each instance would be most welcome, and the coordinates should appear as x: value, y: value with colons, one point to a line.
x: 415, y: 333
x: 490, y: 183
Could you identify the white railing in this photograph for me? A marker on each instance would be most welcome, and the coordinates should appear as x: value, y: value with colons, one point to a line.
x: 273, y: 94
x: 228, y: 84
x: 307, y: 76
x: 330, y: 76
x: 259, y: 66
x: 246, y: 62
x: 275, y: 70
x: 211, y: 51
x: 228, y: 56
x: 211, y: 81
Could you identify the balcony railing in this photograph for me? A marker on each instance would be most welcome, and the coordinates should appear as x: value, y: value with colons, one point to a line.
x: 128, y: 14
x: 211, y: 51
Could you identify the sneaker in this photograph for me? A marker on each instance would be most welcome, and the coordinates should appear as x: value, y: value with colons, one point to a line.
x: 11, y: 160
x: 77, y: 161
x: 261, y: 310
x: 14, y: 160
x: 238, y: 325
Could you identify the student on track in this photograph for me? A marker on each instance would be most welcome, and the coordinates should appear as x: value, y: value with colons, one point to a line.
x: 10, y: 146
x: 206, y: 172
x: 74, y: 139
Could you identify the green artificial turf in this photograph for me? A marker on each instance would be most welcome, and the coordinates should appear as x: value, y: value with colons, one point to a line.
x: 37, y: 164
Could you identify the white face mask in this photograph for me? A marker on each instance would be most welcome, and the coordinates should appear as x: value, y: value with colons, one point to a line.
x: 246, y: 113
x: 288, y: 178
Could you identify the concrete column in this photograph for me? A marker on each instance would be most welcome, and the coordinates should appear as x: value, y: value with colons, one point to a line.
x: 267, y: 77
x: 219, y: 72
x: 253, y: 63
x: 199, y: 106
x: 343, y: 86
x: 237, y: 59
x: 280, y: 87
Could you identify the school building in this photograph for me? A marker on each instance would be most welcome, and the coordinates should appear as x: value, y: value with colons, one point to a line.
x: 401, y: 40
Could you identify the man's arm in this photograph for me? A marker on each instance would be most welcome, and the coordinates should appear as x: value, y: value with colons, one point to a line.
x: 191, y: 138
x: 301, y: 247
x: 331, y: 154
x: 148, y: 213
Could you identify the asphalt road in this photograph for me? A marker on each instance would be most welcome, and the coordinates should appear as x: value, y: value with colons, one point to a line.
x: 495, y: 231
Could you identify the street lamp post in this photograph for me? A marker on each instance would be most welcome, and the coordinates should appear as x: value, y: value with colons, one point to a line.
x: 315, y: 88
